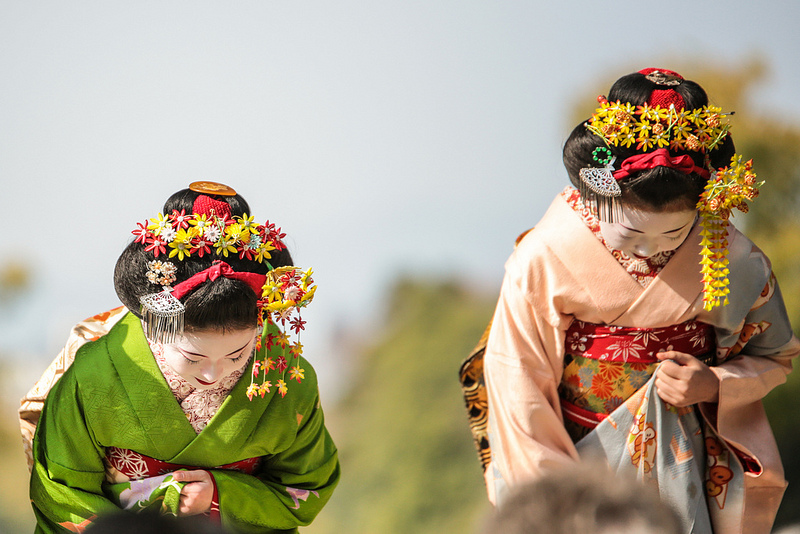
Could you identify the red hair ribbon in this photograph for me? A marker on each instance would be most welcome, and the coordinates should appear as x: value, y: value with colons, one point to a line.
x: 658, y: 158
x: 217, y: 269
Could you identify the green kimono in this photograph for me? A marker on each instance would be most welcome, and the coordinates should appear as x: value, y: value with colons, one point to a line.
x: 115, y: 395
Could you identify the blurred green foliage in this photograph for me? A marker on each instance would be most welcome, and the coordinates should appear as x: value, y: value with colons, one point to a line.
x: 16, y: 515
x: 15, y: 511
x: 408, y: 462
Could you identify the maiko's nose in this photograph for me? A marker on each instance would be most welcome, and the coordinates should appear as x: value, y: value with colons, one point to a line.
x: 645, y: 250
x: 212, y: 372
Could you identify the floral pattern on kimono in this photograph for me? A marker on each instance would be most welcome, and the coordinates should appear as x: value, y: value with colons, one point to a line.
x: 605, y: 365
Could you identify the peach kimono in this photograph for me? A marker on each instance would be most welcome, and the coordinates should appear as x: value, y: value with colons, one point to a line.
x: 560, y: 272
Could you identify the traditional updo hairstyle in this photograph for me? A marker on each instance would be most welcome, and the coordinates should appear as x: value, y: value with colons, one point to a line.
x: 221, y: 304
x: 661, y: 188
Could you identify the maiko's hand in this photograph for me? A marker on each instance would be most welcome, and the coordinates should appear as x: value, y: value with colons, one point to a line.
x: 197, y: 494
x: 683, y: 380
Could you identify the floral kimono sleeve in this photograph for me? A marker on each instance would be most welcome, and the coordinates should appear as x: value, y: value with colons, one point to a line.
x: 68, y: 468
x: 291, y: 487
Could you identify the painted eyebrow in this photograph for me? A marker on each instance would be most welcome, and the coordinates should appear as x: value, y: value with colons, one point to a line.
x: 667, y: 232
x: 204, y: 356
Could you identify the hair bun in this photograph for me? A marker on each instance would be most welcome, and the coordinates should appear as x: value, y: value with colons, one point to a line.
x: 662, y: 76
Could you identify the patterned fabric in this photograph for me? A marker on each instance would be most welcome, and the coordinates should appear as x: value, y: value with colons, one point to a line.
x: 130, y: 465
x: 141, y: 483
x: 695, y: 471
x: 473, y: 388
x: 199, y: 405
x: 605, y: 365
x: 643, y: 271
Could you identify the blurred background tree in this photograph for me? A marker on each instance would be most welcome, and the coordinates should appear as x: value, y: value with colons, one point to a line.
x: 14, y: 281
x: 15, y: 513
x: 407, y: 457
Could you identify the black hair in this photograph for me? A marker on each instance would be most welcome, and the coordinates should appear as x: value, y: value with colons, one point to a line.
x: 221, y: 304
x: 661, y: 188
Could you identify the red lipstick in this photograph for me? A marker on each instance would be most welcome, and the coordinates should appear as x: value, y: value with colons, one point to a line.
x: 203, y: 382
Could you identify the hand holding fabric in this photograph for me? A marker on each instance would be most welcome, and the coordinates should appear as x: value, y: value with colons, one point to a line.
x: 683, y: 380
x: 196, y: 495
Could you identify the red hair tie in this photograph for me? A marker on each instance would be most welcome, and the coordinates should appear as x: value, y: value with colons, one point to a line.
x: 664, y: 97
x: 203, y: 205
x: 658, y: 158
x: 217, y: 269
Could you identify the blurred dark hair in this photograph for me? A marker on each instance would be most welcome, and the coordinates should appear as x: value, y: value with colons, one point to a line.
x: 125, y: 522
x: 583, y: 498
x: 661, y: 188
x: 221, y: 304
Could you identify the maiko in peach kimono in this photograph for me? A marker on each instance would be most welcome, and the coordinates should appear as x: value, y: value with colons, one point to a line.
x: 562, y: 281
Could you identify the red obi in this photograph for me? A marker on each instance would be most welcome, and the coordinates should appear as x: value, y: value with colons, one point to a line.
x: 138, y: 466
x: 604, y: 365
x: 637, y: 345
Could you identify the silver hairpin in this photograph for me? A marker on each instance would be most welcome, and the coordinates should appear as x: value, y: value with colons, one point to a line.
x: 163, y: 316
x: 599, y: 187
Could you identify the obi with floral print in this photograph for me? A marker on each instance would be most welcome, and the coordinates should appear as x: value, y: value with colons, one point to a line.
x: 605, y: 365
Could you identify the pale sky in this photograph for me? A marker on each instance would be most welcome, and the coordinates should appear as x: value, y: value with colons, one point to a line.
x: 385, y: 137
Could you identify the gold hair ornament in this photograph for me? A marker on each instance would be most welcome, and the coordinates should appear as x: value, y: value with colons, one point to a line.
x: 282, y: 291
x: 646, y: 127
x: 729, y: 188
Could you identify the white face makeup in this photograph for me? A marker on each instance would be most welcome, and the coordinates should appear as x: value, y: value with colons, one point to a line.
x: 204, y: 358
x: 641, y: 234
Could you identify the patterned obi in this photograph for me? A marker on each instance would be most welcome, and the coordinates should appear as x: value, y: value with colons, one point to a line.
x: 604, y: 365
x: 141, y: 483
x: 134, y: 466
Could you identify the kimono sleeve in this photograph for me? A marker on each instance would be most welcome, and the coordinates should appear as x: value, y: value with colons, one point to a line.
x: 292, y: 486
x: 68, y: 467
x: 755, y: 342
x: 756, y: 358
x: 523, y: 364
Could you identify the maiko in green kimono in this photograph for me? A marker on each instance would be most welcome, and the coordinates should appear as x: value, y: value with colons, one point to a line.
x: 198, y: 402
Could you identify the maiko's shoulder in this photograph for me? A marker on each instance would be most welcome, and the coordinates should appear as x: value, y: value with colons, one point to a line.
x: 105, y: 336
x: 745, y: 257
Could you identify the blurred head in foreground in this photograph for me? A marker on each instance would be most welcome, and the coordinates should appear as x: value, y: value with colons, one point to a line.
x: 124, y: 522
x: 583, y: 499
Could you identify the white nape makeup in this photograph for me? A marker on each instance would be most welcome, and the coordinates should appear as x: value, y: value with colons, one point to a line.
x: 203, y: 358
x: 642, y: 234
